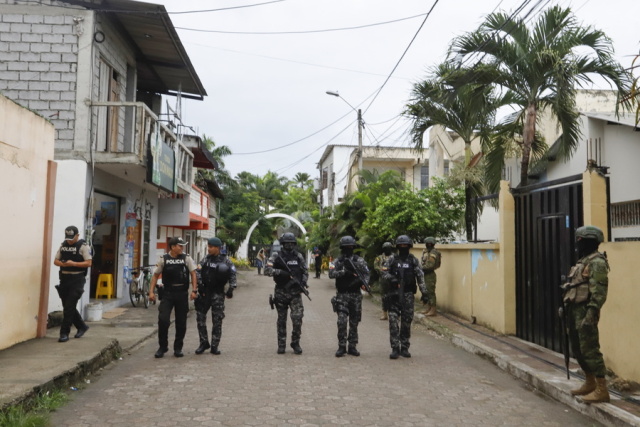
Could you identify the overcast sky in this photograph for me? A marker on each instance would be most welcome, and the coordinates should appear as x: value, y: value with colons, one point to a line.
x: 266, y: 92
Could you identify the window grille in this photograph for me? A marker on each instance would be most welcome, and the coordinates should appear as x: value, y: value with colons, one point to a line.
x: 625, y: 214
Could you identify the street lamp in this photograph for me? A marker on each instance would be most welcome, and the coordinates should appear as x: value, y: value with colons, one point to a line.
x: 360, y: 126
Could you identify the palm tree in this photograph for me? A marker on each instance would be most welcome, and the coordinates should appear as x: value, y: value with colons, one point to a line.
x: 302, y: 178
x: 468, y: 109
x: 220, y: 175
x: 541, y: 67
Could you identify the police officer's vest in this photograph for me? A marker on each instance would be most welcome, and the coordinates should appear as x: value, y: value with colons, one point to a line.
x: 348, y: 283
x: 407, y: 265
x: 577, y: 289
x: 175, y: 271
x: 72, y: 253
x: 210, y: 279
x: 293, y: 262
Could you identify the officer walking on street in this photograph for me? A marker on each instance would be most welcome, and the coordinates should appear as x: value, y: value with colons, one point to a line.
x: 74, y: 259
x: 431, y: 260
x: 216, y: 272
x: 403, y: 274
x: 584, y: 296
x: 176, y: 269
x: 348, y: 268
x: 289, y: 271
x: 381, y: 265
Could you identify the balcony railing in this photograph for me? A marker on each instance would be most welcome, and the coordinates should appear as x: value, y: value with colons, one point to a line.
x: 123, y: 131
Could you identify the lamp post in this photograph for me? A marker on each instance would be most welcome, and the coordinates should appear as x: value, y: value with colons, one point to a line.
x: 360, y: 126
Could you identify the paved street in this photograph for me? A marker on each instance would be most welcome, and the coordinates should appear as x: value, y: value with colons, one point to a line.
x: 249, y: 384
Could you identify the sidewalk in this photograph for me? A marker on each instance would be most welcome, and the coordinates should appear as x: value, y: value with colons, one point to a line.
x: 41, y: 364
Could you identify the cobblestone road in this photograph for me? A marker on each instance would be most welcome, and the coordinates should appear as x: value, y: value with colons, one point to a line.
x: 250, y: 385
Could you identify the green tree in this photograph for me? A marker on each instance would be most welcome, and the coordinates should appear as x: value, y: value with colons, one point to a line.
x: 303, y: 180
x: 541, y: 67
x: 219, y: 175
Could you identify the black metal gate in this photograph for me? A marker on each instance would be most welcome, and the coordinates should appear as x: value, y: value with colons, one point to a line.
x: 546, y: 216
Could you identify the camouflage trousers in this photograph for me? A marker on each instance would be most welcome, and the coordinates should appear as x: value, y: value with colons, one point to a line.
x: 400, y: 319
x: 285, y: 301
x: 216, y: 304
x: 430, y: 279
x: 585, y: 341
x: 349, y: 310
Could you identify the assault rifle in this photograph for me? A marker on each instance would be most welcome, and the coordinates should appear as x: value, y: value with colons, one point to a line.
x: 356, y: 270
x: 293, y: 279
x: 562, y: 312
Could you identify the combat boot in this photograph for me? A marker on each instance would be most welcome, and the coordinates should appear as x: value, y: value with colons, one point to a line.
x: 353, y: 351
x: 281, y: 349
x: 427, y: 309
x: 432, y: 311
x: 384, y: 316
x: 214, y: 350
x: 341, y: 351
x: 395, y: 353
x: 296, y: 348
x: 202, y: 348
x: 405, y: 352
x: 587, y: 387
x: 600, y: 394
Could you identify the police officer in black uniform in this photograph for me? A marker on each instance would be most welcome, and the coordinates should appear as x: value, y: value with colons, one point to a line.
x: 403, y: 274
x: 74, y: 259
x: 216, y: 272
x: 176, y: 269
x: 348, y: 300
x: 289, y: 270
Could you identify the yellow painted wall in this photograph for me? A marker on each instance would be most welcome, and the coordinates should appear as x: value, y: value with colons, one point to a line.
x: 26, y: 146
x: 620, y: 317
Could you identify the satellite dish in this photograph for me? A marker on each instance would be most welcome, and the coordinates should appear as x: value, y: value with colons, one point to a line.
x: 475, y: 160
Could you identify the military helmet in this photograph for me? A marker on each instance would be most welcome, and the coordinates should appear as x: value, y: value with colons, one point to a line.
x: 387, y: 245
x: 214, y: 241
x: 287, y: 238
x: 347, y: 241
x: 430, y: 240
x: 590, y: 232
x: 404, y: 240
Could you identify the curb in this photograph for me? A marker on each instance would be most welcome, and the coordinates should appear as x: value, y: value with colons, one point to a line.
x: 551, y: 386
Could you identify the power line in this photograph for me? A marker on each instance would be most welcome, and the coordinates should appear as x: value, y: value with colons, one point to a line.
x: 356, y: 27
x: 151, y: 12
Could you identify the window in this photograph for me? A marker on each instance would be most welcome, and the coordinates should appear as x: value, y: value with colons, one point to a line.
x: 424, y: 177
x: 625, y: 214
x: 108, y: 118
x: 446, y: 167
x: 325, y: 178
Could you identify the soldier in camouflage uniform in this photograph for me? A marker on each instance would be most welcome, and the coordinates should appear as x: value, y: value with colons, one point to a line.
x: 403, y: 274
x: 289, y: 270
x: 381, y: 265
x: 348, y: 300
x: 218, y: 280
x: 584, y: 296
x: 431, y: 259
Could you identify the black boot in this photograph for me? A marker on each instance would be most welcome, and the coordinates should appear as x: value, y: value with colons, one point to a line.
x: 214, y: 350
x: 395, y: 353
x: 341, y: 351
x: 296, y: 348
x: 202, y: 348
x: 405, y: 352
x: 280, y: 349
x: 353, y: 351
x: 63, y: 338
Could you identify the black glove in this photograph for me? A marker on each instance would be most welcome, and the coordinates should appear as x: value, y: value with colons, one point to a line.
x: 424, y: 299
x: 230, y: 293
x: 304, y: 285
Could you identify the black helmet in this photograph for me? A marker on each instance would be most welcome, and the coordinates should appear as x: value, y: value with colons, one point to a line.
x: 404, y: 240
x: 590, y: 232
x: 386, y: 245
x: 347, y: 241
x: 287, y: 238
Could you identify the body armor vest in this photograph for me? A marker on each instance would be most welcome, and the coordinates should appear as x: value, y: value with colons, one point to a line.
x: 175, y: 271
x: 293, y: 262
x: 210, y: 278
x: 435, y: 254
x: 407, y: 264
x: 577, y: 289
x: 72, y: 253
x: 348, y: 283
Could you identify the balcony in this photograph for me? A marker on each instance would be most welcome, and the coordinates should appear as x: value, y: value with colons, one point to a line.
x: 129, y: 139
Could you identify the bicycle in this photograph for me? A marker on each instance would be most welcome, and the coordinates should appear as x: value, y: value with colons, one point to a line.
x: 139, y: 286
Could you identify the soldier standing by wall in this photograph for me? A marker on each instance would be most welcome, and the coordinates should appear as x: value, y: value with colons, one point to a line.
x: 216, y: 271
x: 74, y: 259
x: 317, y: 260
x: 348, y: 300
x: 176, y: 269
x: 289, y: 271
x: 381, y: 265
x: 431, y: 259
x: 583, y: 298
x: 403, y: 274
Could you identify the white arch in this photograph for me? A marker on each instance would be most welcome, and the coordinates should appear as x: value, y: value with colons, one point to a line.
x: 243, y: 249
